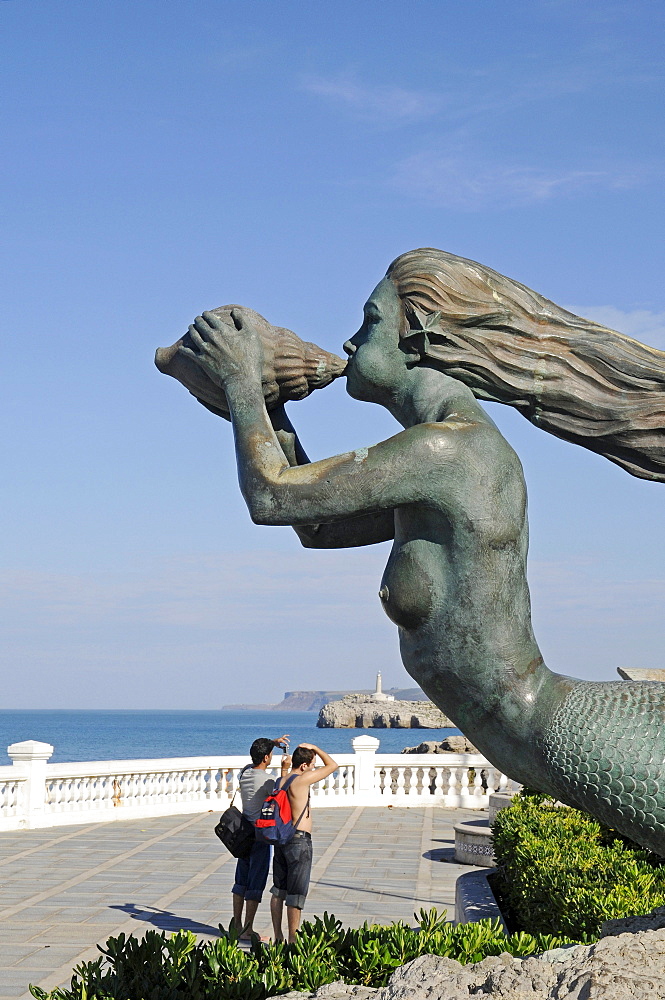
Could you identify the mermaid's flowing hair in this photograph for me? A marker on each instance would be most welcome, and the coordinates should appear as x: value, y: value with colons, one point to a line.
x: 581, y: 381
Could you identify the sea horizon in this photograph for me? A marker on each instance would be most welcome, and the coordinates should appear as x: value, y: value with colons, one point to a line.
x: 80, y: 734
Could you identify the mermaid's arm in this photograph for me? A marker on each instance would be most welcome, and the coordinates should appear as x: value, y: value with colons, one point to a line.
x: 366, y: 529
x: 368, y: 481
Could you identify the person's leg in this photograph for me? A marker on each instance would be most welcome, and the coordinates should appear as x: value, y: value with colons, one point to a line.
x: 251, y: 906
x: 293, y: 915
x: 238, y: 903
x: 259, y: 865
x: 298, y: 855
x: 276, y: 913
x: 239, y: 889
x: 278, y: 892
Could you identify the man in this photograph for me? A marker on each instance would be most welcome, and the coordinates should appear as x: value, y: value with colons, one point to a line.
x: 292, y: 863
x: 252, y: 872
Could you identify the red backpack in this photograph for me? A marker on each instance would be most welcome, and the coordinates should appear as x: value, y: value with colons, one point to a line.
x: 275, y: 824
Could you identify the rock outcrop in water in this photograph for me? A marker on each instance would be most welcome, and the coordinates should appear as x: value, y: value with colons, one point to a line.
x: 357, y: 711
x: 451, y: 744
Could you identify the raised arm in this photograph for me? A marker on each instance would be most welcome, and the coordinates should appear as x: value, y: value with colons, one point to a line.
x: 328, y: 765
x: 368, y: 481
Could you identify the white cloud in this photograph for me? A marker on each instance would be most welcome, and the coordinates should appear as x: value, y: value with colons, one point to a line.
x: 463, y: 181
x: 383, y: 104
x: 642, y: 324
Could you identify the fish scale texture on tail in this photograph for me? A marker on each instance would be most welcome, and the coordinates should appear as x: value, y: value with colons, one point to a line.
x: 605, y: 752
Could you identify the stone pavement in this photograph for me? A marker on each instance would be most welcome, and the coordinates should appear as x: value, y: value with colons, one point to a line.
x: 63, y: 890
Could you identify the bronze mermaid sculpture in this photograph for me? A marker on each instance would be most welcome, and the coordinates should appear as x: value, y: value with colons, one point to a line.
x: 449, y: 491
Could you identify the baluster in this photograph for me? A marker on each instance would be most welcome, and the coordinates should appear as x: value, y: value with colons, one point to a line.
x: 452, y: 798
x: 137, y: 789
x: 439, y: 782
x: 491, y: 773
x: 400, y: 782
x: 478, y: 793
x: 503, y: 782
x: 464, y: 790
x: 410, y: 781
x: 217, y: 778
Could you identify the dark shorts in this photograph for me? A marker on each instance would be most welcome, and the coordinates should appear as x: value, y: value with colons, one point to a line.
x: 252, y: 872
x: 291, y: 869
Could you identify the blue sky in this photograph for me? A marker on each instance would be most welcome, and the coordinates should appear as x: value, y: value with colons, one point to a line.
x: 162, y: 158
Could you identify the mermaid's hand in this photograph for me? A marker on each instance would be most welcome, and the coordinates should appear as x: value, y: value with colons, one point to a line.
x: 226, y: 353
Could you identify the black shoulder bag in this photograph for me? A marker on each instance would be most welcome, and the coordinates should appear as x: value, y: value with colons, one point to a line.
x: 234, y: 830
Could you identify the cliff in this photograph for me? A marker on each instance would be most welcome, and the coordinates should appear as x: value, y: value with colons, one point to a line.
x: 313, y: 701
x: 357, y: 712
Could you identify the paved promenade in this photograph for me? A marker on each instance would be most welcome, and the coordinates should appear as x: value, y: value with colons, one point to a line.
x: 64, y: 890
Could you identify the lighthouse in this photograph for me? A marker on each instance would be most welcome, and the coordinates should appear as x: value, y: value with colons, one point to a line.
x: 378, y: 693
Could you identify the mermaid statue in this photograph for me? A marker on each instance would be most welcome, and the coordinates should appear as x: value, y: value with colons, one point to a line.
x: 448, y: 490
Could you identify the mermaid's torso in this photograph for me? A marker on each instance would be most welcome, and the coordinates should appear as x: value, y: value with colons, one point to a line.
x: 455, y: 584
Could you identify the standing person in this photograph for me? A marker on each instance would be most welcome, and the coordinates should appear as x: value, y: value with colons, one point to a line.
x: 292, y: 863
x: 252, y: 872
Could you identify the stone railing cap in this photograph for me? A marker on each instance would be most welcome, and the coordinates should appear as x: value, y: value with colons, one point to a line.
x: 30, y: 750
x: 365, y: 743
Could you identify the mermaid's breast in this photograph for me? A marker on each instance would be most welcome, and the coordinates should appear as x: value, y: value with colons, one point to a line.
x: 604, y: 751
x: 411, y: 582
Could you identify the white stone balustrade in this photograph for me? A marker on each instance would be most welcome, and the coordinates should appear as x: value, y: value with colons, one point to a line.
x: 34, y: 793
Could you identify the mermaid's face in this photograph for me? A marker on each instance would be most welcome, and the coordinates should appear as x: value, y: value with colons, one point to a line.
x: 377, y: 364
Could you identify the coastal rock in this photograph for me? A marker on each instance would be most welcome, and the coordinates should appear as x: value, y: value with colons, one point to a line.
x: 623, y: 967
x: 360, y: 712
x: 451, y: 744
x: 653, y: 921
x: 333, y: 991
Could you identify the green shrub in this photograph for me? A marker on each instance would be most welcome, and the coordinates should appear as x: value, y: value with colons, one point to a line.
x: 563, y: 873
x: 178, y: 967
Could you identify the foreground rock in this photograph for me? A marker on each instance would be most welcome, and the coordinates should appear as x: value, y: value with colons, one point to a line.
x: 358, y: 712
x: 622, y: 966
x: 451, y: 744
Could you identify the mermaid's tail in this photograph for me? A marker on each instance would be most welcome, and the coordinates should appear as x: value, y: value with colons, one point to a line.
x: 605, y: 753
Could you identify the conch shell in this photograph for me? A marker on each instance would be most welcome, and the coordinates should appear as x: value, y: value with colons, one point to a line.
x: 292, y: 368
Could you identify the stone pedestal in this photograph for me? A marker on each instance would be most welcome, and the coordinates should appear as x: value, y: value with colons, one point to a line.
x: 498, y: 801
x: 473, y: 843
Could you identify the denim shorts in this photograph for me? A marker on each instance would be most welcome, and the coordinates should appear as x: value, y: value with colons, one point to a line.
x: 291, y: 869
x: 252, y: 872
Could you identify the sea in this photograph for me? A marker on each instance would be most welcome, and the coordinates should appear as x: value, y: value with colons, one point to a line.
x: 78, y: 735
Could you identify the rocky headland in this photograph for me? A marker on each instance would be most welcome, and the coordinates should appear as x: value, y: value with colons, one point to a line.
x: 357, y: 711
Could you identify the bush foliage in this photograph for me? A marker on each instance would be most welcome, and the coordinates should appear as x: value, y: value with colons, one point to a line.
x: 564, y: 873
x: 177, y: 967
